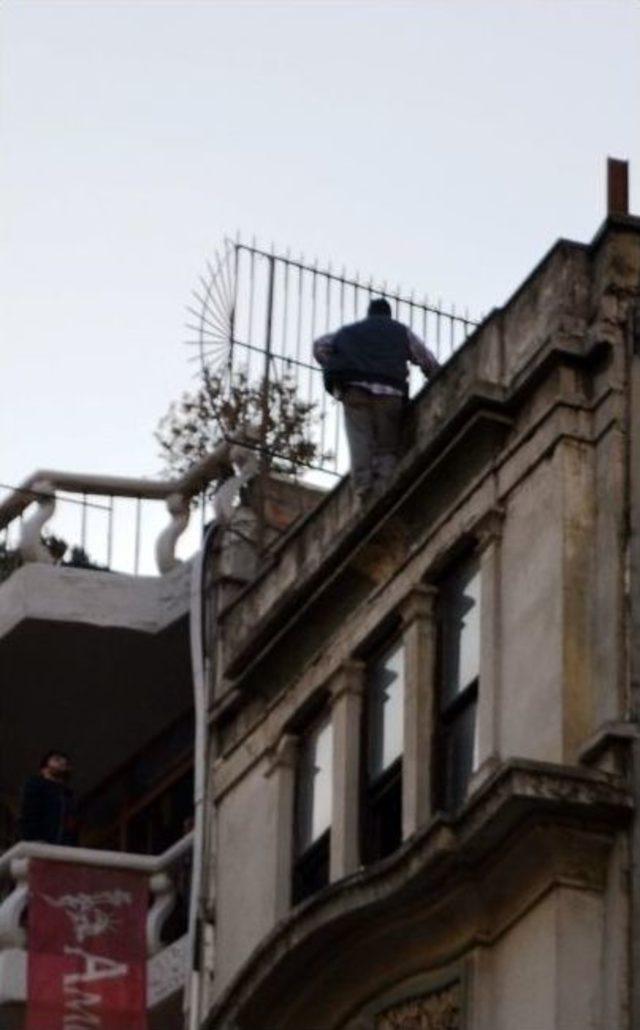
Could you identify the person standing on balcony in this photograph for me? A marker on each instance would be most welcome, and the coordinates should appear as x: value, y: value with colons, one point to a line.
x: 48, y: 809
x: 366, y: 367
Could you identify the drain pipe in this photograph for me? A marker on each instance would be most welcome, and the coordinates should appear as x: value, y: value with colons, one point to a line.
x: 633, y: 428
x: 202, y: 670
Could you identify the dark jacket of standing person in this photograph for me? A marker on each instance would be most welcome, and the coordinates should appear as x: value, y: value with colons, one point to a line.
x: 366, y: 366
x: 374, y: 350
x: 48, y: 809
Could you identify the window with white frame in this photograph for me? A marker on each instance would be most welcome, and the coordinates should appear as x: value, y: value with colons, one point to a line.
x: 459, y: 680
x: 313, y: 810
x: 383, y: 750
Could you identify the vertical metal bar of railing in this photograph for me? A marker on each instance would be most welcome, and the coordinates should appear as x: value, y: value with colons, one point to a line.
x: 83, y: 524
x: 232, y: 320
x: 327, y: 302
x: 252, y: 274
x: 285, y: 305
x: 314, y: 287
x: 110, y: 532
x: 136, y: 560
x: 299, y: 312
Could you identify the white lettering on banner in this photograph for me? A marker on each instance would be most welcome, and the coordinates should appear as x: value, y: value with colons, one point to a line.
x: 89, y: 912
x: 97, y: 967
x: 77, y: 1016
x: 77, y: 1003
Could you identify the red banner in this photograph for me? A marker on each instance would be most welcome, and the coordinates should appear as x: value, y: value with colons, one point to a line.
x: 87, y: 948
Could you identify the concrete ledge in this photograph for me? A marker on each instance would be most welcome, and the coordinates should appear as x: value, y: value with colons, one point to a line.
x: 52, y: 593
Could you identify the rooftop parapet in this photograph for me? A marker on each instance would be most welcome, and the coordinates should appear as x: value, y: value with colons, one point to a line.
x: 569, y: 308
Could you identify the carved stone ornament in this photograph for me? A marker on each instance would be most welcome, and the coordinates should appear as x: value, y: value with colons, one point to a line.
x: 439, y: 1010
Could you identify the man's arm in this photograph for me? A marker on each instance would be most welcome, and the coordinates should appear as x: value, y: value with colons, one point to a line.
x: 322, y: 348
x: 420, y: 354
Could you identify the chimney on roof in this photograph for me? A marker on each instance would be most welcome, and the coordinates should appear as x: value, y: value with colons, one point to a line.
x: 617, y: 187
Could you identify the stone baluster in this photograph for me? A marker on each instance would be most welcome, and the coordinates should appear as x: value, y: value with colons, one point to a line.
x: 30, y: 545
x: 238, y: 557
x: 245, y: 463
x: 163, y: 893
x: 12, y: 933
x: 178, y: 506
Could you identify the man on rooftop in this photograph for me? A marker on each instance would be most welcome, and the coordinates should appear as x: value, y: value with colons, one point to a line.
x: 366, y: 367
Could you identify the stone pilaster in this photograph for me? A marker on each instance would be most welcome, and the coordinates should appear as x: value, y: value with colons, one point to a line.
x: 346, y: 701
x: 282, y: 773
x: 489, y: 534
x: 419, y: 640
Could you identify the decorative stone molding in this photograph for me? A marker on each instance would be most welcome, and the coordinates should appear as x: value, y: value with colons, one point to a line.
x: 30, y: 546
x: 418, y: 604
x: 284, y: 755
x: 348, y: 679
x: 178, y: 507
x: 440, y: 1010
x: 489, y: 528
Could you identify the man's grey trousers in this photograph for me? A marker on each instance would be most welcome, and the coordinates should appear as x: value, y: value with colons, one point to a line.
x: 373, y: 426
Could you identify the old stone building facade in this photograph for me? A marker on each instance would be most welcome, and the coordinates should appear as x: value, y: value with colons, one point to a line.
x: 412, y: 799
x: 420, y: 800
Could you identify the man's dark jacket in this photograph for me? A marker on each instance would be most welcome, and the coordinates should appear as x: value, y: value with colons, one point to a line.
x: 374, y: 350
x: 48, y: 812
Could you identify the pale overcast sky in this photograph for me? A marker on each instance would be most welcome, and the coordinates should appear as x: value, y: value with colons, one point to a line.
x: 445, y: 145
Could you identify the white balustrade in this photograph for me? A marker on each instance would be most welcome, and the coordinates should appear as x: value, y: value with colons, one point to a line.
x: 162, y: 871
x: 178, y: 507
x: 231, y: 466
x: 30, y: 545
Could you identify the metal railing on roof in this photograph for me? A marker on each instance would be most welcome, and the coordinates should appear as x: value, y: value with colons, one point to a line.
x: 257, y: 312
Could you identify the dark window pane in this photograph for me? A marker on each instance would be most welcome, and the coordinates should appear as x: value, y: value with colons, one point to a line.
x: 458, y: 753
x: 460, y: 632
x: 311, y: 871
x: 383, y: 816
x: 385, y: 701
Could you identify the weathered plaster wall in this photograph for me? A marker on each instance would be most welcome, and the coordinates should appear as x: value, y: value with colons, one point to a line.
x: 532, y: 620
x: 545, y: 973
x: 245, y: 870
